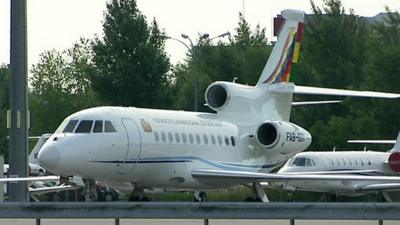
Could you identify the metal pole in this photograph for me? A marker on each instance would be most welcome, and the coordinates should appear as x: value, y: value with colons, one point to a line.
x: 195, y: 54
x: 380, y: 222
x: 291, y: 221
x: 37, y: 221
x: 18, y: 150
x: 206, y: 222
x: 116, y: 221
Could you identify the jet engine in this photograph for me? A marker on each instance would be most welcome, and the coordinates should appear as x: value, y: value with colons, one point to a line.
x: 220, y: 94
x: 282, y: 136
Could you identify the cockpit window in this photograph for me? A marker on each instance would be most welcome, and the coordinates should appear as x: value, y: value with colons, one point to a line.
x: 299, y: 162
x: 85, y: 126
x: 108, y: 127
x: 98, y: 126
x: 70, y: 126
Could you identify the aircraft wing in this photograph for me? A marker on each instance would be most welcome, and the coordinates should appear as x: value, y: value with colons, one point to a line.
x: 250, y: 177
x: 315, y: 102
x: 45, y: 190
x: 21, y: 179
x: 340, y: 92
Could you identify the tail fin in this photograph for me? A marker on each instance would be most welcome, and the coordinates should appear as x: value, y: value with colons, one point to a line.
x: 396, y: 147
x: 286, y: 50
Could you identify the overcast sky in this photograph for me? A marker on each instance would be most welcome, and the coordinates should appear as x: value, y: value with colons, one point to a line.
x: 59, y: 23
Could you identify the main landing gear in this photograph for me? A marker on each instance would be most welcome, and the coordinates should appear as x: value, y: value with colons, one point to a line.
x: 259, y: 194
x: 200, y: 196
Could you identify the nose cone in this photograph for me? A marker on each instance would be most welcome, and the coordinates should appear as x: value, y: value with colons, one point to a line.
x: 50, y: 157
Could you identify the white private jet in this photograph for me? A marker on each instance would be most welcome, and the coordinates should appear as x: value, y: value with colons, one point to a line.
x: 366, y: 163
x: 249, y: 136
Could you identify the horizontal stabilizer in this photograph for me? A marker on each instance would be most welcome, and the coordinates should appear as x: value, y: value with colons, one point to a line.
x: 340, y: 92
x: 378, y: 187
x: 315, y: 102
x: 371, y: 141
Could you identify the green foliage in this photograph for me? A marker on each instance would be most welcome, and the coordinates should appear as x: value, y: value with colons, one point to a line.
x: 60, y: 86
x: 382, y: 73
x: 131, y: 64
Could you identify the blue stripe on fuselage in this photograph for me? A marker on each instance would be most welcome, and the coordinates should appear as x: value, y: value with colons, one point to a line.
x: 192, y: 159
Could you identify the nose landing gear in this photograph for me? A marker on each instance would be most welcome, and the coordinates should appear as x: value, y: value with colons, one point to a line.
x: 90, y: 190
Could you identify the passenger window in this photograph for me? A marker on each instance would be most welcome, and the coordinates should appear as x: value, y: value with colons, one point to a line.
x: 344, y: 162
x: 184, y: 138
x: 191, y: 140
x: 308, y: 162
x: 170, y: 137
x: 163, y: 137
x: 70, y: 126
x: 156, y: 136
x: 219, y: 140
x: 98, y: 126
x: 198, y: 139
x: 108, y: 127
x: 213, y: 139
x: 205, y: 139
x: 177, y: 138
x: 233, y: 141
x: 85, y: 126
x: 350, y: 162
x: 226, y: 140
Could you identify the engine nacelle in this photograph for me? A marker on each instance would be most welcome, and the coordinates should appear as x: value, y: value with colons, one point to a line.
x: 282, y: 136
x: 220, y: 94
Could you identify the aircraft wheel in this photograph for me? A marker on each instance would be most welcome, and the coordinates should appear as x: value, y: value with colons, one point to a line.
x: 200, y: 196
x: 108, y: 197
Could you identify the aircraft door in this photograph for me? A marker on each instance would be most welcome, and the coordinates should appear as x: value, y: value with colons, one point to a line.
x: 133, y: 146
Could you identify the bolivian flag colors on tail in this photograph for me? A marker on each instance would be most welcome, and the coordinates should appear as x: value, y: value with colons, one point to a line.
x: 286, y: 68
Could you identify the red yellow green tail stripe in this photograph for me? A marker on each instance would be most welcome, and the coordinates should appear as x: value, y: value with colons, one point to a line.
x: 283, y: 72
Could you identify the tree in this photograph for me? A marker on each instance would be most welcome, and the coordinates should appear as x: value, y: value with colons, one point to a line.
x: 131, y: 64
x: 381, y: 71
x: 60, y: 86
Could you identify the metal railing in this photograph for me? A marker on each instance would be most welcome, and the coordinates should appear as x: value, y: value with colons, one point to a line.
x: 209, y: 210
